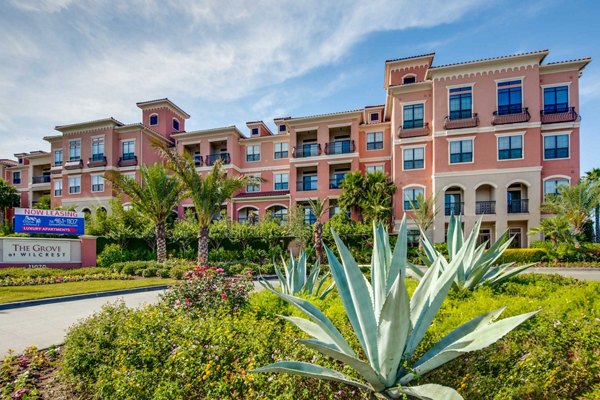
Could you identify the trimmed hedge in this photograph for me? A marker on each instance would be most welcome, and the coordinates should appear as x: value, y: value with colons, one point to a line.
x: 522, y: 256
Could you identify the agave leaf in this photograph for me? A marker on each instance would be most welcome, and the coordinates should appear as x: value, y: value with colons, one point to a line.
x: 478, y: 339
x: 311, y: 371
x: 414, y: 272
x: 282, y: 280
x: 327, y: 291
x: 506, y: 273
x: 317, y: 317
x: 378, y: 268
x: 428, y: 391
x: 311, y: 281
x: 355, y: 295
x: 429, y: 249
x: 315, y: 331
x: 393, y: 330
x: 363, y: 368
x: 398, y: 261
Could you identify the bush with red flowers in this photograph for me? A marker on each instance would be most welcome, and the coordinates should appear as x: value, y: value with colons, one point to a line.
x: 207, y: 289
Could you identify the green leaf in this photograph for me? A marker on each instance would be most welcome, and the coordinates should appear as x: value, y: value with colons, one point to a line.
x: 428, y: 391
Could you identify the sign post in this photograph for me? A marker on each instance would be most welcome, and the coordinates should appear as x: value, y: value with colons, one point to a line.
x: 53, y: 222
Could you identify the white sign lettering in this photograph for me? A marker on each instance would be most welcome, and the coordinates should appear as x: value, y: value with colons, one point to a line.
x: 39, y: 251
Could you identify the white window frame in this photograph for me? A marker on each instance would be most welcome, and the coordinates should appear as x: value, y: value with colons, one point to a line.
x: 412, y: 148
x: 256, y: 185
x: 412, y: 103
x: 280, y: 174
x: 78, y: 178
x: 500, y: 135
x: 551, y: 85
x: 101, y: 139
x: 75, y: 141
x: 62, y: 159
x: 544, y: 134
x: 20, y: 177
x: 411, y: 187
x: 472, y: 139
x: 472, y: 85
x: 252, y: 147
x: 374, y: 168
x: 173, y: 120
x: 554, y: 178
x: 150, y: 119
x: 522, y: 79
x: 58, y: 185
x: 101, y: 182
x: 376, y: 141
x: 287, y: 150
x: 121, y: 145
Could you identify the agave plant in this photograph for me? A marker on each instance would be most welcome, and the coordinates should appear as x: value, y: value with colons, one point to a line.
x: 477, y: 266
x: 389, y: 324
x: 293, y: 280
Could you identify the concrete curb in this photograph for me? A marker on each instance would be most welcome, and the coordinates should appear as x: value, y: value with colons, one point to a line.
x: 62, y: 299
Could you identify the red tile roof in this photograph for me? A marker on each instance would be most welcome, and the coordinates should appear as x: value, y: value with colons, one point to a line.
x: 491, y: 58
x: 411, y: 57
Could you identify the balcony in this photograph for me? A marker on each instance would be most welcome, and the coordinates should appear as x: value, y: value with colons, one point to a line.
x: 198, y: 162
x: 307, y: 150
x: 306, y: 185
x: 335, y: 182
x: 74, y: 164
x: 552, y: 116
x: 485, y: 207
x: 40, y: 179
x: 511, y: 116
x: 97, y: 161
x: 454, y: 208
x: 413, y: 131
x: 340, y: 147
x: 212, y: 158
x: 518, y: 206
x: 128, y: 160
x: 461, y: 122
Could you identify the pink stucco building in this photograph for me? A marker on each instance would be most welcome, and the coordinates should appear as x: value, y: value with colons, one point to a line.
x: 490, y: 137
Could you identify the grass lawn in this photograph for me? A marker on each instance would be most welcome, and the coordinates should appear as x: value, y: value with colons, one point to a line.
x: 20, y: 293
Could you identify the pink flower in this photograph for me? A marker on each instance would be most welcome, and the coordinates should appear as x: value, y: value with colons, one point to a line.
x: 220, y: 270
x: 223, y: 296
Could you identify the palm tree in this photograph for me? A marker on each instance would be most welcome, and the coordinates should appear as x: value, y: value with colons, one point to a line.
x: 424, y: 211
x: 319, y: 209
x: 155, y: 198
x: 352, y: 191
x: 207, y: 192
x: 556, y: 229
x: 593, y: 177
x: 377, y: 197
x: 8, y: 198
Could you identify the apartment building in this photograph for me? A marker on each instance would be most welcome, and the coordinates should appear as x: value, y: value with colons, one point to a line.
x: 489, y: 137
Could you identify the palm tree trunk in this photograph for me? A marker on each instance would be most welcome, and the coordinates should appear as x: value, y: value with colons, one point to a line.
x: 161, y: 242
x: 596, y: 224
x: 203, y: 245
x: 318, y: 239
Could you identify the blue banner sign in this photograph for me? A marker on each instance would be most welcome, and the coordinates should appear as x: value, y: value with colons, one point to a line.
x: 54, y: 222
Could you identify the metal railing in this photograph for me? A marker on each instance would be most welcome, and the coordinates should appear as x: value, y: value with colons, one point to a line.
x: 212, y: 158
x: 559, y: 115
x: 307, y: 150
x: 454, y: 208
x: 198, y: 162
x: 303, y: 186
x: 340, y: 147
x: 128, y: 162
x: 470, y: 121
x: 511, y: 116
x: 97, y: 161
x: 518, y: 206
x: 485, y: 207
x: 40, y: 179
x: 413, y: 131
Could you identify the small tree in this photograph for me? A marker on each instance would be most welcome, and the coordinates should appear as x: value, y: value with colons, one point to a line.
x: 319, y: 208
x: 8, y: 198
x: 372, y: 194
x: 593, y: 177
x: 556, y: 229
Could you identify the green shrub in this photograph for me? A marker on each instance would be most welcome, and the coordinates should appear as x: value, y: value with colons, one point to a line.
x: 149, y: 272
x: 46, y: 272
x: 522, y: 256
x: 163, y: 272
x: 111, y: 254
x: 177, y: 272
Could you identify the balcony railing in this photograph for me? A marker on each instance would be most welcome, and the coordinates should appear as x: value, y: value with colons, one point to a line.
x: 408, y: 132
x: 304, y: 186
x: 336, y: 182
x: 454, y: 208
x: 97, y: 162
x: 307, y: 150
x: 340, y: 147
x: 469, y: 121
x: 74, y: 164
x: 212, y: 158
x: 485, y: 207
x: 510, y: 116
x: 551, y: 117
x: 40, y: 179
x: 198, y: 162
x: 128, y: 161
x: 518, y: 206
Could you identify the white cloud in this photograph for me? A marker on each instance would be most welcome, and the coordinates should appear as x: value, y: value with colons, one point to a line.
x: 95, y: 60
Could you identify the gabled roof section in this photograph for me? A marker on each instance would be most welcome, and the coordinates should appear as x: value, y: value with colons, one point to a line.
x: 7, y: 162
x: 567, y: 65
x: 335, y: 115
x: 208, y: 132
x: 259, y: 124
x: 428, y: 55
x: 143, y: 128
x: 163, y: 102
x: 89, y: 125
x: 413, y: 61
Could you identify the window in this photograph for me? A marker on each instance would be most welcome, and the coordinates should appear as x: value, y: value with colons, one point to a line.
x: 510, y: 147
x: 309, y: 217
x: 509, y: 97
x: 97, y: 149
x: 253, y: 152
x: 154, y: 119
x: 254, y: 131
x: 128, y: 148
x: 279, y: 212
x: 461, y: 100
x: 336, y: 179
x: 282, y: 128
x: 409, y: 79
x: 411, y: 195
x: 374, y: 140
x: 374, y: 117
x: 74, y: 184
x: 551, y: 185
x: 58, y: 187
x: 130, y: 175
x: 556, y: 146
x: 281, y: 150
x: 309, y: 182
x: 20, y: 160
x: 518, y: 237
x: 413, y: 116
x: 97, y: 183
x: 254, y: 185
x: 16, y: 177
x: 413, y: 236
x: 556, y: 99
x: 75, y: 150
x: 281, y: 181
x: 461, y: 151
x: 58, y: 157
x: 374, y: 168
x: 414, y: 158
x: 175, y: 124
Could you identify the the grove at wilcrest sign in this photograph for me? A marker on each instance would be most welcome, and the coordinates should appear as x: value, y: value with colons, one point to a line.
x: 29, y: 220
x: 43, y: 251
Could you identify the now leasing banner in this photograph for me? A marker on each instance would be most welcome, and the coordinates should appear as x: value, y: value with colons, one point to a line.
x: 18, y: 250
x: 29, y: 220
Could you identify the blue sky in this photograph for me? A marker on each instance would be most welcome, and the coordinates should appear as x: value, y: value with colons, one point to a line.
x: 66, y: 61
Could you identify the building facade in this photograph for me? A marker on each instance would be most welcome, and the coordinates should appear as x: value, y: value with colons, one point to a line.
x: 489, y: 137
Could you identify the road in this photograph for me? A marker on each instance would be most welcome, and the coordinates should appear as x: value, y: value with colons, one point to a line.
x: 47, y: 324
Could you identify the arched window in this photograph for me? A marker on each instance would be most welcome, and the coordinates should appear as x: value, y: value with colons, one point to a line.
x: 279, y: 212
x: 409, y: 79
x: 153, y: 119
x: 175, y: 124
x: 248, y: 215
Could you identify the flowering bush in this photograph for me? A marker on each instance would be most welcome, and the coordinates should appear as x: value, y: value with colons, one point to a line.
x: 46, y: 280
x: 206, y: 289
x: 19, y: 374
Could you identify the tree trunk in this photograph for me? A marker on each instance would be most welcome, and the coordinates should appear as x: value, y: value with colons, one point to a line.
x: 596, y: 224
x: 2, y: 216
x: 161, y: 242
x: 203, y: 245
x: 318, y: 239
